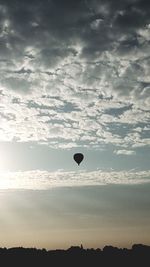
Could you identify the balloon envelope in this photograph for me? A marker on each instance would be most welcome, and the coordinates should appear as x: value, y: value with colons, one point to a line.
x: 78, y: 157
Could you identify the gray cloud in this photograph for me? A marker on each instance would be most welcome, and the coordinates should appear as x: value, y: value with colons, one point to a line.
x: 69, y: 69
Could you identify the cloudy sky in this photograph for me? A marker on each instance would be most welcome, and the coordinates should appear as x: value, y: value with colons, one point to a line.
x: 74, y: 77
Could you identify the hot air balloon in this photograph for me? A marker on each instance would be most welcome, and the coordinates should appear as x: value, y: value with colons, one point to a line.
x: 78, y: 157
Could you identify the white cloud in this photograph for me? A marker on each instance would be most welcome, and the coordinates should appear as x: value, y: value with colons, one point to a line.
x: 42, y: 180
x: 125, y: 152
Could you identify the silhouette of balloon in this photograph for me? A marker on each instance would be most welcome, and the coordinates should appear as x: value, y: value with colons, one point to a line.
x: 78, y: 157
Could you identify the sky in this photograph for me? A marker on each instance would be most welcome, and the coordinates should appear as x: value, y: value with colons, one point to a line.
x: 74, y: 77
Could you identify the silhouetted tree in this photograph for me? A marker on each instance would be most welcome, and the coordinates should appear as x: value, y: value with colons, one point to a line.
x: 76, y: 256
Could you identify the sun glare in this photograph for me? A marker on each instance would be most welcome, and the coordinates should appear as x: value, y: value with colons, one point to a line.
x: 3, y: 165
x: 4, y: 181
x: 5, y: 177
